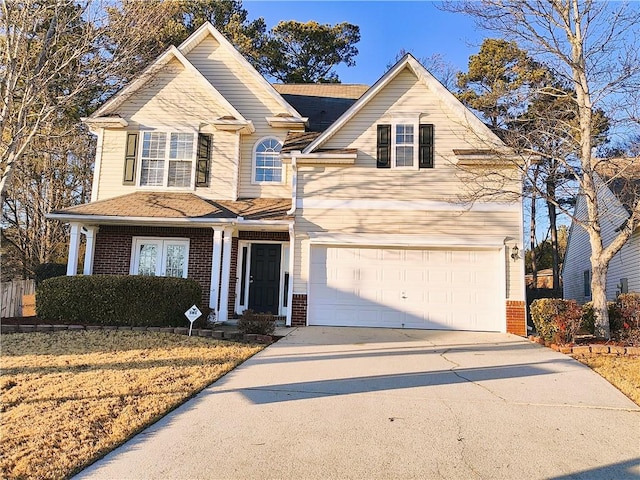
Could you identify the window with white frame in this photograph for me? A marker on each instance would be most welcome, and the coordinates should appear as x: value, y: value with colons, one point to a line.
x: 404, y: 145
x: 160, y: 257
x: 267, y: 166
x: 167, y: 159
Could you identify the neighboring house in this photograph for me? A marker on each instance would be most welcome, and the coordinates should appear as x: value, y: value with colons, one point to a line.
x: 204, y: 170
x: 545, y: 279
x: 618, y: 189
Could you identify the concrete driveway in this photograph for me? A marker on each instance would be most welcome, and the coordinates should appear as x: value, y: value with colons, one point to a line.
x: 376, y: 403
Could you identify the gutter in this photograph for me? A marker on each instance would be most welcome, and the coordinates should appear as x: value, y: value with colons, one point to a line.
x: 106, y: 219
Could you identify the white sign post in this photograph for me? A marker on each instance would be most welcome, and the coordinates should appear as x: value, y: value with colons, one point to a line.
x: 192, y: 315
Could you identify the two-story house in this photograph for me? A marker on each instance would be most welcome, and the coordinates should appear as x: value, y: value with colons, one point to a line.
x: 342, y: 211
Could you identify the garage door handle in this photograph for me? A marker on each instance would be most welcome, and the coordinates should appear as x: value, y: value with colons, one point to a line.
x: 404, y: 295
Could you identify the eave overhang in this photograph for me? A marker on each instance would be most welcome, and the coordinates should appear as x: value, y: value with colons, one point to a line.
x: 168, y: 221
x: 104, y: 122
x: 287, y: 122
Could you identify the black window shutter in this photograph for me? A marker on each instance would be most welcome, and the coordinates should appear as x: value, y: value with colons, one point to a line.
x: 203, y: 160
x: 129, y: 177
x: 426, y: 146
x: 384, y: 146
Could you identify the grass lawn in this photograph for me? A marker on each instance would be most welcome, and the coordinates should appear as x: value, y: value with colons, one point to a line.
x: 68, y: 398
x: 621, y: 372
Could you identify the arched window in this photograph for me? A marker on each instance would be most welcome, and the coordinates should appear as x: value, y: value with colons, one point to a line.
x: 266, y: 161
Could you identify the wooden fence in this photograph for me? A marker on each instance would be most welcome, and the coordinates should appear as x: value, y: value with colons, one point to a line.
x: 11, y: 296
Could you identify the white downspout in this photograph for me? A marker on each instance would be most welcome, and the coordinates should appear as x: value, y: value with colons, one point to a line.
x: 97, y: 164
x: 292, y: 236
x: 294, y: 184
x: 292, y: 255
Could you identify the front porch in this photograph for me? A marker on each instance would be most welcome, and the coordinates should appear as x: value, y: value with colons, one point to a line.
x: 239, y: 252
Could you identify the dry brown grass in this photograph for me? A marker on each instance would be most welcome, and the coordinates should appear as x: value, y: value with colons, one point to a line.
x: 68, y: 398
x: 622, y: 372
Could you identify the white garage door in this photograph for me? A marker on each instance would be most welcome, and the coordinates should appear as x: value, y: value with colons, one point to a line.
x: 407, y: 288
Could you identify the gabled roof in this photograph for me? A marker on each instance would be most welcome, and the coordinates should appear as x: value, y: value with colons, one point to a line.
x: 408, y: 61
x: 170, y: 54
x: 207, y: 29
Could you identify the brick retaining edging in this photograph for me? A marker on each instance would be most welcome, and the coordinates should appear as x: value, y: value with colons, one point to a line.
x: 203, y: 332
x: 589, y: 349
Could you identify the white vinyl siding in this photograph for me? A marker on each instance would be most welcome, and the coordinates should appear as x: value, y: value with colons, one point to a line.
x: 625, y: 264
x: 172, y: 99
x: 230, y: 78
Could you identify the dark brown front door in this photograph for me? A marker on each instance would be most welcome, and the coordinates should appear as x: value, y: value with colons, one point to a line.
x: 264, y: 278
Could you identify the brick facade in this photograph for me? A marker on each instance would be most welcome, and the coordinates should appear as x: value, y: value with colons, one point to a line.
x: 266, y: 236
x: 516, y: 317
x: 113, y: 251
x: 299, y: 310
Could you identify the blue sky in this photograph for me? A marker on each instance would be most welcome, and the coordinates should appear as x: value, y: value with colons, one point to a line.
x: 386, y: 27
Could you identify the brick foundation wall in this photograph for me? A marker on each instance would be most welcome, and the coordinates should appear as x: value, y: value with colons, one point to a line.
x: 113, y: 251
x: 516, y: 317
x: 299, y: 310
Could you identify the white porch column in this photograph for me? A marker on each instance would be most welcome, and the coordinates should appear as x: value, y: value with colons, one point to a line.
x: 74, y: 249
x: 223, y: 313
x: 292, y: 262
x: 90, y: 233
x: 215, y: 270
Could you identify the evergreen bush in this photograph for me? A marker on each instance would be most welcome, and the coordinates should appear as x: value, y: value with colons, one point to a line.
x: 124, y: 300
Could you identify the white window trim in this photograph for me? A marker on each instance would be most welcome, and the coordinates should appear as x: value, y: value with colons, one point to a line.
x: 135, y: 241
x: 253, y: 163
x: 284, y: 268
x: 404, y: 119
x: 165, y: 177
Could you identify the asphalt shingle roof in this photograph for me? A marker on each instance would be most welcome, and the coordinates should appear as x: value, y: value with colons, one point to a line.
x: 322, y: 103
x: 183, y: 205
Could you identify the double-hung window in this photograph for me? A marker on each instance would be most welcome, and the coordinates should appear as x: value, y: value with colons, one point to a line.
x: 405, y: 145
x: 167, y: 159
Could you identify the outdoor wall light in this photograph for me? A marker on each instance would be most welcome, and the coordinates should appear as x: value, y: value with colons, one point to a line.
x: 515, y: 251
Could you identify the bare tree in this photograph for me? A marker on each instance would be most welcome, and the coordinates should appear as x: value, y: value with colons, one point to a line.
x: 594, y: 47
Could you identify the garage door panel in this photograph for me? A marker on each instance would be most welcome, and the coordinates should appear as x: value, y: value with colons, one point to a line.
x: 411, y: 288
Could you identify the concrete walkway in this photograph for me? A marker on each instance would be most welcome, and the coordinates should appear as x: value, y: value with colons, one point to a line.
x: 376, y: 403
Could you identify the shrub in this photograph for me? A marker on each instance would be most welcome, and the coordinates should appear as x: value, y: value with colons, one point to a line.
x: 49, y: 270
x: 555, y: 319
x: 589, y: 317
x: 625, y: 325
x: 259, y: 323
x: 629, y: 309
x: 127, y: 300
